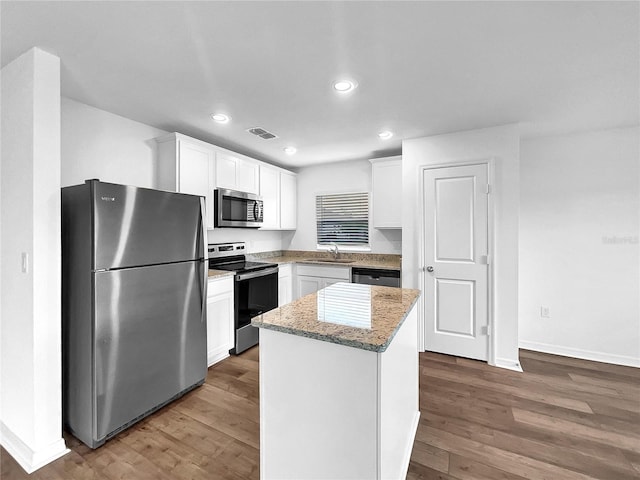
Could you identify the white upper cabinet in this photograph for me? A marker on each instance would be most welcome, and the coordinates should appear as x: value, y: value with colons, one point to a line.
x: 236, y: 173
x: 270, y: 193
x: 278, y: 191
x: 288, y: 201
x: 386, y: 189
x: 186, y: 165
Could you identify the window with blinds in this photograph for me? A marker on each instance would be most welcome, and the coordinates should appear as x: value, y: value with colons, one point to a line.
x: 343, y: 218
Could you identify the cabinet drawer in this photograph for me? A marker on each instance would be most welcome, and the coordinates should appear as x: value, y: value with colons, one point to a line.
x: 218, y: 286
x: 329, y: 271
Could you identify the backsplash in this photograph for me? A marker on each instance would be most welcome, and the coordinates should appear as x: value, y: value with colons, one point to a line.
x: 316, y: 254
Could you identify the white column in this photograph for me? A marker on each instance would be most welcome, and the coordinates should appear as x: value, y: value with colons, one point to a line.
x: 30, y: 371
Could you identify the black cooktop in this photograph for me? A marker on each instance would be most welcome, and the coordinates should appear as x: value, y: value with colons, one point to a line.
x: 241, y: 266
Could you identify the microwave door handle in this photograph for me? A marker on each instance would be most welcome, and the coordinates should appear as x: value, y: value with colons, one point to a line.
x: 256, y: 211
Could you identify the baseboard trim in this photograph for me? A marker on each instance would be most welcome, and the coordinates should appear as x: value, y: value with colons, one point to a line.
x: 409, y: 448
x: 509, y: 364
x: 214, y: 356
x: 581, y: 354
x: 29, y: 459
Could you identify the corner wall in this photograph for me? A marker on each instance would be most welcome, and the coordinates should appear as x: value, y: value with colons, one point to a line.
x: 579, y: 248
x: 100, y: 144
x: 502, y: 144
x: 31, y: 396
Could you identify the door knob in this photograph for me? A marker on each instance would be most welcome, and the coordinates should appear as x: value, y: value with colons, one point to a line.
x: 429, y: 269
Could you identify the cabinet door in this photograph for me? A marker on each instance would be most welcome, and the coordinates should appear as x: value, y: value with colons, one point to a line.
x: 237, y: 173
x: 219, y: 319
x: 387, y: 189
x: 195, y: 169
x: 288, y: 201
x: 270, y: 193
x: 330, y: 281
x: 248, y: 174
x: 306, y: 285
x: 226, y: 171
x: 285, y: 284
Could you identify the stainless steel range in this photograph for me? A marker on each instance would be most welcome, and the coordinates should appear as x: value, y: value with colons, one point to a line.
x: 255, y: 289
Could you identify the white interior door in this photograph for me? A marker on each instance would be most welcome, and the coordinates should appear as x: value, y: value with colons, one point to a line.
x: 455, y: 260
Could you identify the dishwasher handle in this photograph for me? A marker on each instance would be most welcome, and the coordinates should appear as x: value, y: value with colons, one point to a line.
x: 375, y: 276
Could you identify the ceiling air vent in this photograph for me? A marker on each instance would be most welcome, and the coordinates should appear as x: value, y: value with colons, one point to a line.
x: 262, y: 133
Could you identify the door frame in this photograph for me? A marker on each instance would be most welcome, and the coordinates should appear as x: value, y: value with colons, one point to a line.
x: 490, y: 164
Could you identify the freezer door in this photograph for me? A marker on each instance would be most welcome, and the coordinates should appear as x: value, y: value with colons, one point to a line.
x: 139, y: 226
x: 150, y: 339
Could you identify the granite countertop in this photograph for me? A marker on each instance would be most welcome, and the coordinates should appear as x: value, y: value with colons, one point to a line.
x: 385, y: 262
x: 360, y: 316
x: 220, y: 273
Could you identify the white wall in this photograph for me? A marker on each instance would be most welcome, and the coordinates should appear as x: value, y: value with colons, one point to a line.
x: 501, y: 144
x: 257, y: 240
x: 353, y: 176
x: 31, y: 397
x: 579, y: 251
x: 99, y: 144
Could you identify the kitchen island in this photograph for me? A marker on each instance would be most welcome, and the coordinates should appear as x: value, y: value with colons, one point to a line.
x: 339, y: 384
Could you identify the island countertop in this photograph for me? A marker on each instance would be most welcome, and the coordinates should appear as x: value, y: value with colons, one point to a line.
x: 361, y: 316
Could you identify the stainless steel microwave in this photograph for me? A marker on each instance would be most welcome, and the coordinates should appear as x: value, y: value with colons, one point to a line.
x: 237, y: 209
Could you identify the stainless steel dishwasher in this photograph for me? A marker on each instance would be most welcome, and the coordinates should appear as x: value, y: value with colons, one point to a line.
x: 376, y: 276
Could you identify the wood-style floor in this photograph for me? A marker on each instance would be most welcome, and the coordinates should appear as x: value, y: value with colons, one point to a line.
x: 561, y: 419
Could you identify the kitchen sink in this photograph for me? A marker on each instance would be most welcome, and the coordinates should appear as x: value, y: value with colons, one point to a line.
x: 329, y: 260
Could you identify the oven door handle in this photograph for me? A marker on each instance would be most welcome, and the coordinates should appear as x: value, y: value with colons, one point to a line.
x: 259, y: 273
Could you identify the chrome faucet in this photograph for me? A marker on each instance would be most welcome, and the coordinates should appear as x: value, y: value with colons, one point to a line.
x: 334, y: 248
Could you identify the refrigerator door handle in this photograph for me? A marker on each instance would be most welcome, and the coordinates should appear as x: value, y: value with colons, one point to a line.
x: 205, y: 262
x: 203, y: 217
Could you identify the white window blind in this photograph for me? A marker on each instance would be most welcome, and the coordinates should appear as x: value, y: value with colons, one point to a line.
x: 343, y: 218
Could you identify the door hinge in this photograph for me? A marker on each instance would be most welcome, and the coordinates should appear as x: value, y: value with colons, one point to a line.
x: 485, y: 259
x: 488, y: 188
x: 486, y: 330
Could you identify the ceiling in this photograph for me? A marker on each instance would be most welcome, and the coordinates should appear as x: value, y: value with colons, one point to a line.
x: 422, y: 68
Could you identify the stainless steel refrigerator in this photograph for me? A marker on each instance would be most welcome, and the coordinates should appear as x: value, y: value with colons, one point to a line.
x: 134, y: 278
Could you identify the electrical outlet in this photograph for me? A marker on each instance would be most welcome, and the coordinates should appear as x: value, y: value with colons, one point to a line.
x: 544, y: 312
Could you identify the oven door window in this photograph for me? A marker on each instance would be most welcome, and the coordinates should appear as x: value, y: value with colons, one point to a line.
x: 255, y: 296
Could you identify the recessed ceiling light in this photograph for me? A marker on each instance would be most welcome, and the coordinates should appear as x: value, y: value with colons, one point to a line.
x: 344, y: 86
x: 290, y: 150
x: 386, y: 135
x: 220, y: 117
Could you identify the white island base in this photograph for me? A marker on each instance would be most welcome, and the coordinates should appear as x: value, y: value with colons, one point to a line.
x: 332, y: 412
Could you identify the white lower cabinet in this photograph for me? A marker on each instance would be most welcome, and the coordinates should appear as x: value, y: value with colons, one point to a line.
x: 219, y: 319
x: 311, y: 278
x: 285, y: 284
